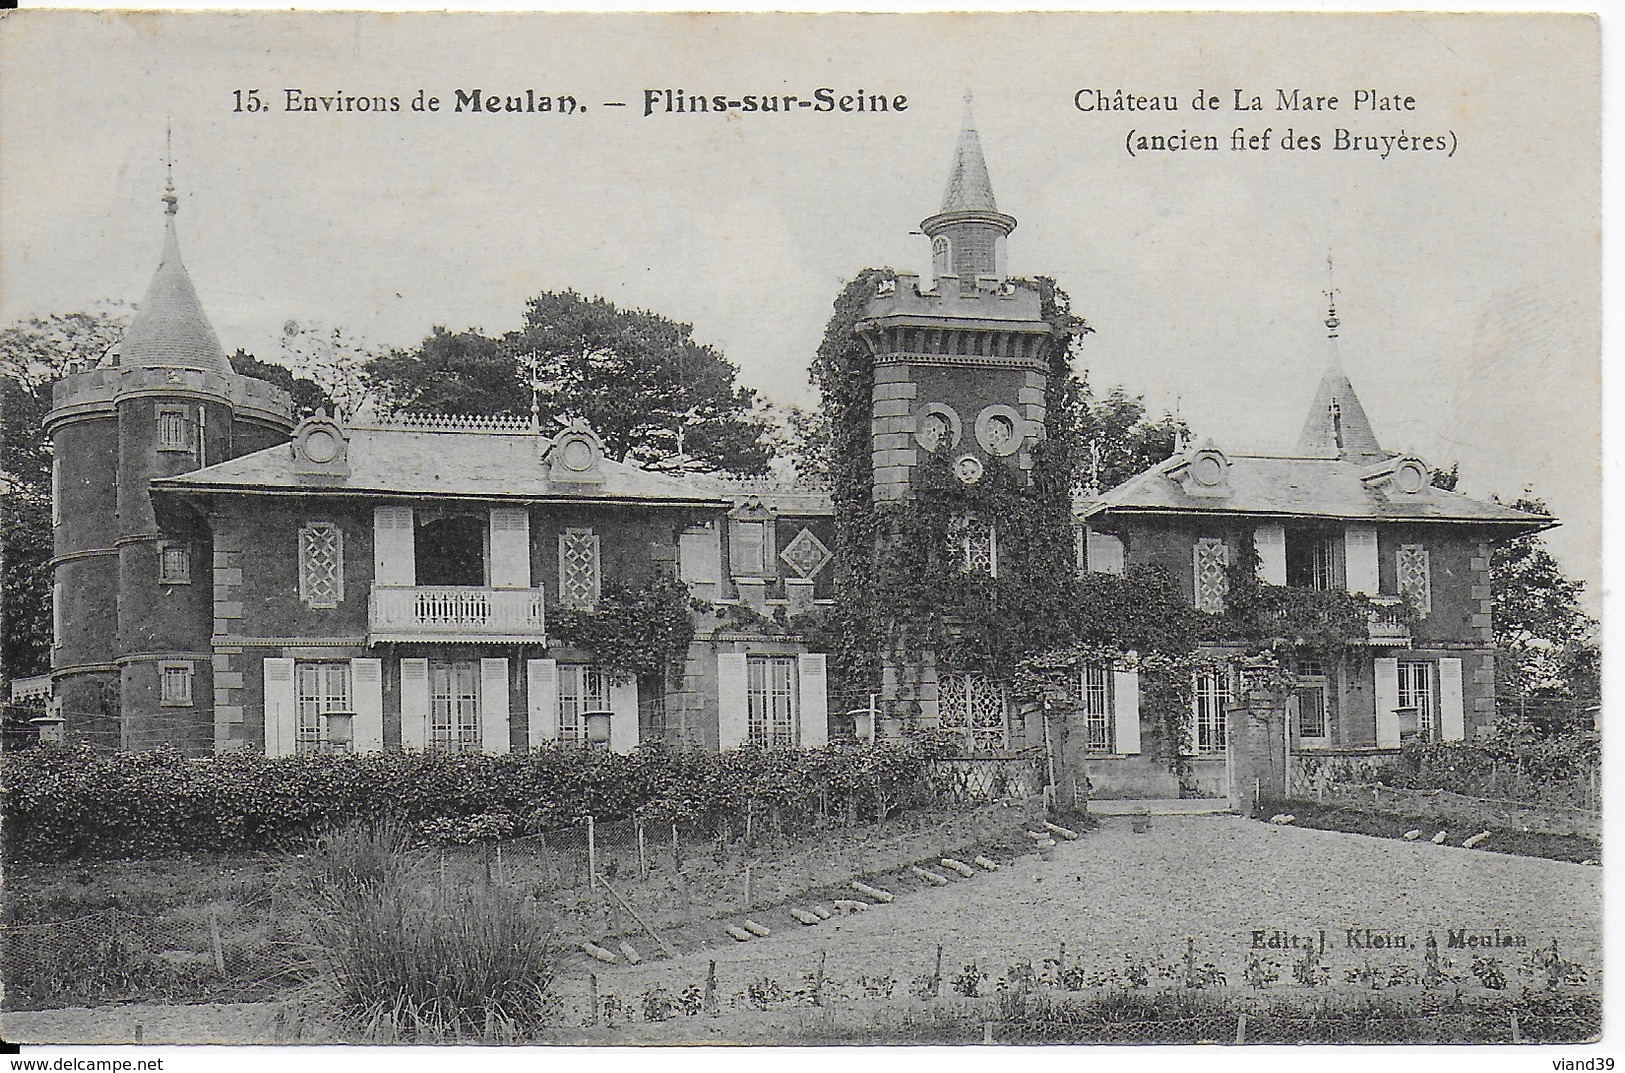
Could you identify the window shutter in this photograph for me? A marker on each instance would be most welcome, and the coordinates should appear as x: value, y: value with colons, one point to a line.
x: 1105, y: 553
x: 542, y: 700
x: 1270, y: 540
x: 623, y: 722
x: 392, y: 546
x: 281, y: 708
x: 1360, y: 559
x: 811, y: 670
x: 367, y: 699
x: 1452, y: 714
x: 414, y: 703
x: 510, y: 548
x: 1126, y: 711
x: 699, y: 555
x: 494, y: 706
x: 733, y: 710
x: 1387, y: 671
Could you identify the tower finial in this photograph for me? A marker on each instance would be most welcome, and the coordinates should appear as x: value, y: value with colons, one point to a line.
x: 169, y: 199
x: 1331, y: 301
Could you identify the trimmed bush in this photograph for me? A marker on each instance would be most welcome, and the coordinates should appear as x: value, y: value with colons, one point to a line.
x: 72, y: 801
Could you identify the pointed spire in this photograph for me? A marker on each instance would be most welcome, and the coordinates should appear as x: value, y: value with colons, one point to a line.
x: 170, y: 329
x: 1337, y: 425
x: 169, y: 199
x: 969, y: 187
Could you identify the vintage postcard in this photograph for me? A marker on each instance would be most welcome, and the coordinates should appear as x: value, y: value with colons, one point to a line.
x: 987, y: 529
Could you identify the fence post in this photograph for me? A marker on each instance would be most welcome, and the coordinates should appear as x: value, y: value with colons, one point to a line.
x: 936, y: 974
x: 214, y: 941
x: 502, y: 874
x: 592, y: 992
x: 987, y: 1031
x: 747, y: 885
x: 711, y: 987
x: 750, y: 825
x: 818, y: 980
x: 1241, y: 1028
x: 592, y: 863
x: 643, y: 855
x: 1517, y: 1035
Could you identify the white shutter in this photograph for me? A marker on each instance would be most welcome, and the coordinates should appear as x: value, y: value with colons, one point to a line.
x: 542, y: 700
x: 1105, y: 553
x: 1452, y: 714
x: 1387, y: 671
x: 623, y: 720
x: 1126, y: 711
x: 281, y: 708
x: 1360, y: 558
x: 414, y: 703
x: 367, y: 698
x: 510, y: 548
x: 1270, y: 540
x: 733, y: 707
x: 699, y: 555
x: 811, y: 671
x: 494, y: 706
x: 392, y: 546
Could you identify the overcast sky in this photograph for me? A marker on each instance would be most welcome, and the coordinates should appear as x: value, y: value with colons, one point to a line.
x: 1468, y: 284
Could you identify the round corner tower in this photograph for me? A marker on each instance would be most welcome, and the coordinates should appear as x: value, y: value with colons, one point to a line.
x: 132, y: 577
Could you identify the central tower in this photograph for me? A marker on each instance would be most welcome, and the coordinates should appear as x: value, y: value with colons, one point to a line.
x: 961, y: 364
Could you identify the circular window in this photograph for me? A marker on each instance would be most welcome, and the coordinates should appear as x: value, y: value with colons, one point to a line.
x: 968, y: 469
x: 578, y: 455
x: 321, y: 446
x: 936, y: 427
x: 998, y: 430
x: 1410, y: 478
x: 1207, y: 471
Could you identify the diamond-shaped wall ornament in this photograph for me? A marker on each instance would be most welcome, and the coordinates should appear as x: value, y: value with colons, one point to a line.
x: 806, y: 554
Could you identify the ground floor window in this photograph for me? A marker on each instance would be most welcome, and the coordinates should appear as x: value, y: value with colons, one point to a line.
x: 581, y: 690
x: 975, y: 708
x: 1313, y: 711
x: 1416, y: 692
x: 1208, y: 712
x: 175, y: 684
x: 771, y: 695
x: 1094, y: 685
x: 319, y: 688
x: 454, y: 707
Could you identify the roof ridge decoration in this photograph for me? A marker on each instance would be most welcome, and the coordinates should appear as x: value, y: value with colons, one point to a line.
x: 435, y: 422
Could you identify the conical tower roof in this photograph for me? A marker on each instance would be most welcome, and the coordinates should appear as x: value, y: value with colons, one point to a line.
x: 1337, y: 425
x: 969, y: 188
x: 170, y: 330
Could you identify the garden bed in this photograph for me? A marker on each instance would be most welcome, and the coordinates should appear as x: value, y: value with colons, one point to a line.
x: 1382, y: 823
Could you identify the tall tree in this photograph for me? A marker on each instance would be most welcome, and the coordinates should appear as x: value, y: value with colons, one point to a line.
x: 308, y: 396
x: 34, y: 353
x: 654, y: 395
x: 1116, y: 440
x: 1545, y: 640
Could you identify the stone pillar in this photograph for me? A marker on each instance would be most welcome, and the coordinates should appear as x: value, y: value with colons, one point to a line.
x: 1255, y: 733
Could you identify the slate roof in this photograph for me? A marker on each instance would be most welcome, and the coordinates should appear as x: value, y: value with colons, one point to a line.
x: 170, y: 330
x: 969, y: 188
x: 463, y: 464
x: 1337, y: 423
x: 1296, y: 487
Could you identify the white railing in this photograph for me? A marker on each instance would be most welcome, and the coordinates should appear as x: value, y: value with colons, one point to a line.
x: 455, y: 613
x: 1387, y: 620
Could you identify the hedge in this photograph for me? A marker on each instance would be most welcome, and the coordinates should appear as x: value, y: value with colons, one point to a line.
x: 72, y: 801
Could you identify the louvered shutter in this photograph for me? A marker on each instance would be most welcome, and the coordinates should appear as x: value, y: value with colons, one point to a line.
x: 1360, y: 559
x: 494, y: 706
x: 1105, y: 553
x: 1387, y: 674
x: 1126, y: 711
x: 393, y: 550
x: 367, y: 697
x: 542, y: 700
x: 811, y: 672
x: 510, y: 548
x: 281, y: 708
x: 414, y: 703
x: 623, y: 720
x: 1270, y: 540
x: 733, y: 706
x: 1452, y: 713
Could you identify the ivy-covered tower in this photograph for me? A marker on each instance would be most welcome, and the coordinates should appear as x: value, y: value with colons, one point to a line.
x: 163, y: 400
x: 961, y: 361
x: 961, y: 369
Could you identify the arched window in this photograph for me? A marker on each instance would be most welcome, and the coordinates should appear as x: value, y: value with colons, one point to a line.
x: 941, y: 262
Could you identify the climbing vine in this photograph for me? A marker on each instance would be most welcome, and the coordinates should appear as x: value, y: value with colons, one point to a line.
x: 641, y: 631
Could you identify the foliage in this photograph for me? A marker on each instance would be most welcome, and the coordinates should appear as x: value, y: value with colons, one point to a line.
x: 441, y: 960
x: 1528, y: 757
x: 71, y: 801
x: 333, y: 361
x: 308, y: 396
x: 1325, y: 621
x: 639, y: 631
x: 1117, y: 440
x: 1546, y: 641
x: 34, y: 353
x: 656, y: 397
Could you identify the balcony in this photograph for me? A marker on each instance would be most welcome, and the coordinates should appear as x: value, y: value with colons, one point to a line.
x: 454, y: 613
x: 1389, y: 623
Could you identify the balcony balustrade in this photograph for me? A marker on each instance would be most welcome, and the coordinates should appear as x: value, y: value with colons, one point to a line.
x: 1387, y: 623
x: 455, y: 613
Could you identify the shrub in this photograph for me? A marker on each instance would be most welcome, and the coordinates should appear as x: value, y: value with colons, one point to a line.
x: 71, y: 801
x: 1518, y: 760
x: 440, y: 960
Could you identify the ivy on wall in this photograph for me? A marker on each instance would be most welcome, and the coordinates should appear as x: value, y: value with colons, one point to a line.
x: 633, y: 630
